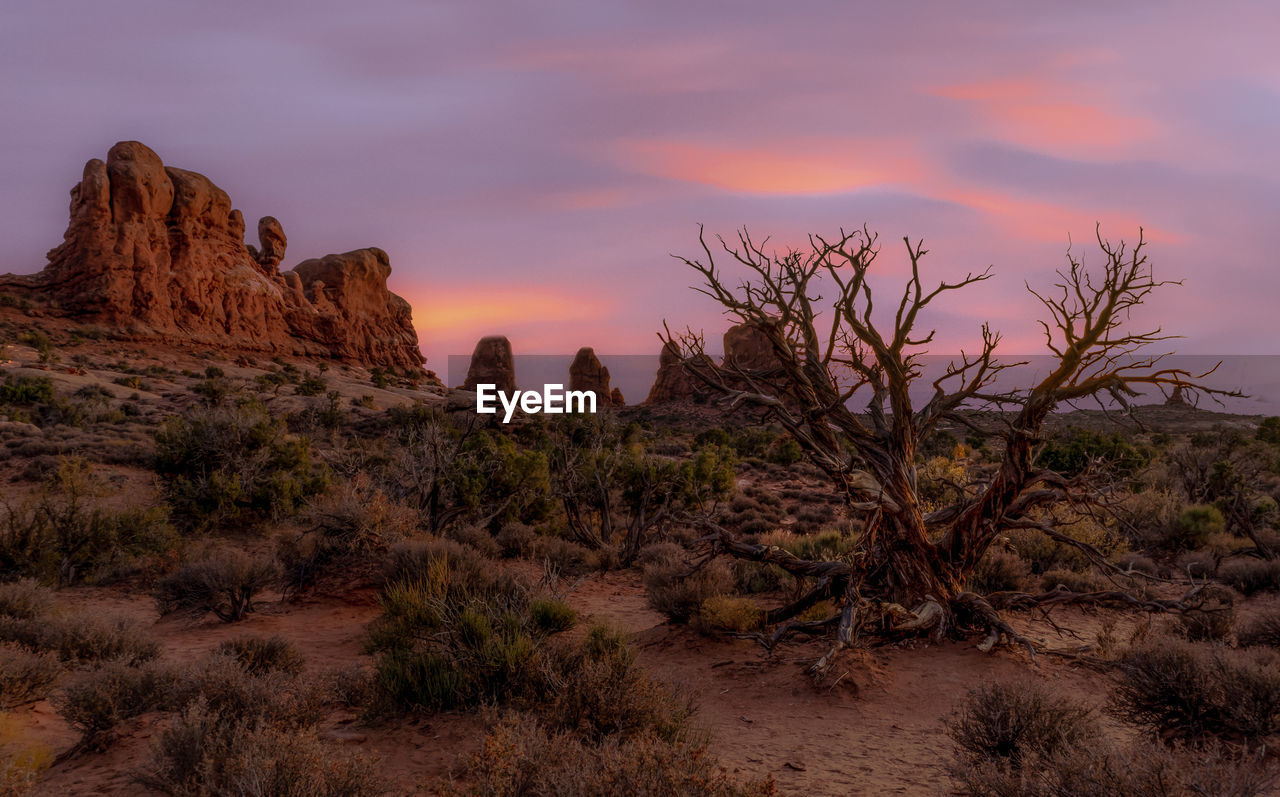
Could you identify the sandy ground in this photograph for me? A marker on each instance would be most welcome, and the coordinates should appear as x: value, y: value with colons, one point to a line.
x: 879, y: 730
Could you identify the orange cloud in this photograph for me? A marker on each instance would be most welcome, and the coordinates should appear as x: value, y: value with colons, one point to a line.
x: 791, y: 168
x: 1031, y: 114
x: 492, y: 308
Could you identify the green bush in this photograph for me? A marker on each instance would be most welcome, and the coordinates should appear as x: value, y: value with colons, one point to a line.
x: 454, y: 631
x: 1080, y: 449
x: 227, y: 463
x: 1196, y: 524
x: 1269, y: 430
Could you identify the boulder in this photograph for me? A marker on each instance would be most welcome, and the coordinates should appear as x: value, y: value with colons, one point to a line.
x: 157, y: 253
x: 493, y: 364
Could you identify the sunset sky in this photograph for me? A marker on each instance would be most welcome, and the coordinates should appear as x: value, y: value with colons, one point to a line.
x: 530, y: 166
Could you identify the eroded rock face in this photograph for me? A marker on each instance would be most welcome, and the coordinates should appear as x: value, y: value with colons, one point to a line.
x: 586, y: 372
x: 492, y: 363
x: 673, y: 382
x: 158, y: 253
x: 748, y: 348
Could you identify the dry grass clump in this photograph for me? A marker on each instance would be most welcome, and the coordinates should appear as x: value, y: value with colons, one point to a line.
x: 731, y: 613
x: 521, y: 757
x: 25, y: 599
x: 225, y: 583
x: 21, y: 760
x: 1087, y: 581
x: 1017, y: 722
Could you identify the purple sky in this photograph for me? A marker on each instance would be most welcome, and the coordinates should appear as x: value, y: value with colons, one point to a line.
x: 530, y: 166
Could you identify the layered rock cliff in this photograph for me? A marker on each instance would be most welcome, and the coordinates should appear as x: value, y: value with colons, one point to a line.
x: 158, y: 253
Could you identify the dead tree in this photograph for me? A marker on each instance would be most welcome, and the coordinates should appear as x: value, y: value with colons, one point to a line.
x: 831, y: 354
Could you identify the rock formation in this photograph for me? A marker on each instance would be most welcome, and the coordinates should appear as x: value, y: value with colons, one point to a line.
x: 492, y: 363
x: 616, y: 398
x: 586, y: 372
x: 673, y: 382
x: 158, y: 253
x: 745, y: 347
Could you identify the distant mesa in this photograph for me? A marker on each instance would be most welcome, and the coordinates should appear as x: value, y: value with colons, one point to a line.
x: 158, y: 253
x: 586, y: 372
x: 492, y: 363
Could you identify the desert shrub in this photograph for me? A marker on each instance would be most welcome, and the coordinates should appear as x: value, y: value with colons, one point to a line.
x: 25, y: 675
x: 1045, y: 554
x: 568, y: 557
x: 205, y: 752
x: 1081, y: 449
x: 1262, y: 629
x: 520, y: 757
x: 1000, y: 570
x: 784, y: 450
x: 100, y: 700
x: 1145, y: 769
x: 260, y: 655
x: 81, y: 638
x: 358, y: 517
x: 477, y: 538
x: 417, y: 561
x: 1198, y: 564
x: 228, y: 462
x: 62, y: 534
x: 679, y: 594
x: 597, y: 690
x: 1017, y: 722
x: 25, y: 599
x: 1213, y: 618
x: 453, y: 632
x: 1251, y: 576
x: 515, y: 539
x: 1137, y: 563
x: 226, y: 686
x: 311, y: 385
x: 26, y: 390
x: 729, y: 613
x: 1195, y: 525
x: 225, y: 583
x: 1074, y: 581
x: 756, y: 577
x: 1269, y: 430
x: 1189, y: 690
x: 829, y: 544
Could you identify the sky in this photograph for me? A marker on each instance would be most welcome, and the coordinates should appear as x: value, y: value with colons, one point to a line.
x: 531, y: 167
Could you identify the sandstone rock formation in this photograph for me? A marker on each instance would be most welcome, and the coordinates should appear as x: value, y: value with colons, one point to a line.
x: 745, y: 347
x: 492, y: 363
x: 158, y: 253
x: 616, y: 398
x: 586, y: 372
x: 673, y: 382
